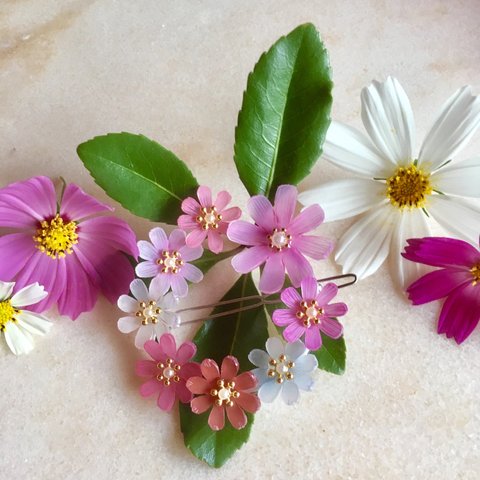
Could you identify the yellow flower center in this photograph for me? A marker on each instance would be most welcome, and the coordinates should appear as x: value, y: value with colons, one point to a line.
x: 475, y: 271
x: 209, y: 218
x: 56, y: 238
x: 7, y: 314
x: 408, y: 187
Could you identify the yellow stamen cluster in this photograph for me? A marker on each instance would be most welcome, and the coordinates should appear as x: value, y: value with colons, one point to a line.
x: 409, y: 187
x: 168, y: 372
x: 279, y: 239
x: 148, y: 312
x: 475, y: 271
x: 7, y: 314
x: 55, y: 237
x: 309, y: 313
x: 171, y: 261
x: 209, y: 218
x: 280, y: 369
x: 224, y: 393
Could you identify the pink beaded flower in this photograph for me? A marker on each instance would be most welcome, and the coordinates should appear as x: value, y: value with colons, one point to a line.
x: 168, y: 372
x: 310, y: 313
x: 278, y: 239
x: 224, y: 390
x: 207, y: 219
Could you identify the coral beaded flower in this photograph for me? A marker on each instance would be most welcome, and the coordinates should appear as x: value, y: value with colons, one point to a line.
x: 207, y: 219
x: 396, y: 188
x: 278, y: 239
x: 74, y: 257
x: 168, y: 371
x: 310, y: 313
x: 457, y: 279
x: 224, y: 391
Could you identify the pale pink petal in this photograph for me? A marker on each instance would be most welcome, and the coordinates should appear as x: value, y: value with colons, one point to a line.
x: 245, y: 381
x: 215, y: 241
x: 246, y: 233
x: 229, y: 368
x: 261, y: 211
x: 128, y: 324
x: 317, y: 248
x: 160, y: 284
x: 216, y: 419
x: 293, y: 332
x: 236, y: 416
x: 146, y: 368
x: 313, y: 339
x: 307, y: 220
x: 148, y: 251
x: 154, y: 350
x: 210, y: 369
x: 159, y: 238
x: 176, y: 240
x: 249, y: 402
x: 191, y: 273
x: 250, y: 258
x: 297, y: 266
x: 231, y: 214
x: 196, y: 237
x: 204, y: 195
x: 185, y: 352
x: 222, y: 200
x: 285, y: 203
x: 198, y: 385
x: 147, y: 269
x: 187, y: 222
x: 179, y: 285
x: 16, y: 251
x: 273, y: 275
x: 291, y: 297
x: 309, y: 288
x: 326, y: 294
x: 335, y: 309
x: 150, y: 387
x: 168, y: 345
x: 166, y: 398
x: 183, y: 394
x: 330, y: 327
x: 188, y: 254
x: 190, y: 206
x: 201, y: 404
x: 76, y: 204
x: 283, y: 317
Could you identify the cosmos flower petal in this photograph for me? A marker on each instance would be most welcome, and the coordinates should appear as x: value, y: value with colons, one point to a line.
x: 308, y: 219
x: 388, y: 118
x: 17, y: 250
x: 20, y: 342
x: 273, y: 275
x: 259, y: 358
x: 315, y: 247
x: 262, y: 212
x: 76, y: 204
x: 346, y: 197
x: 6, y: 289
x: 33, y: 322
x: 290, y: 393
x: 461, y: 178
x: 457, y: 122
x: 236, y: 416
x: 269, y: 391
x: 29, y: 295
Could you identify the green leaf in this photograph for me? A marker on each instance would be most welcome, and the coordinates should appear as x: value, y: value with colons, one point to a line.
x: 332, y: 356
x: 285, y: 113
x: 144, y: 177
x: 209, y: 259
x: 235, y: 335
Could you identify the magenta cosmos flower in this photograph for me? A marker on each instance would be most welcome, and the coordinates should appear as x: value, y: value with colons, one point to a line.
x: 278, y: 239
x: 458, y: 279
x: 168, y: 371
x: 74, y: 257
x: 224, y: 390
x: 207, y: 219
x: 310, y: 313
x: 166, y: 259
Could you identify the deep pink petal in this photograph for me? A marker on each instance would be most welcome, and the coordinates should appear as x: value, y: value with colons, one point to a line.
x: 168, y: 346
x: 76, y: 204
x: 285, y: 204
x: 215, y: 241
x: 283, y: 317
x: 185, y: 353
x: 229, y: 368
x: 291, y: 297
x: 154, y: 350
x: 307, y: 220
x: 210, y: 369
x: 204, y: 195
x: 16, y: 251
x: 245, y: 381
x: 326, y: 294
x: 246, y: 233
x: 146, y: 368
x: 331, y: 327
x: 250, y: 258
x: 201, y: 404
x: 262, y: 212
x: 317, y: 248
x: 335, y: 309
x: 293, y: 332
x: 309, y: 288
x: 190, y: 206
x: 297, y: 266
x: 150, y: 387
x: 222, y: 200
x: 196, y: 237
x: 176, y: 240
x: 273, y: 275
x: 187, y: 222
x: 184, y: 395
x: 231, y: 214
x: 10, y: 217
x: 189, y: 370
x: 166, y: 398
x: 216, y: 419
x: 249, y: 402
x: 198, y: 385
x: 437, y: 284
x: 236, y: 416
x: 313, y: 339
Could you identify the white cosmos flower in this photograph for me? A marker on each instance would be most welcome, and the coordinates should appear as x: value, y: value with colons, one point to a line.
x: 283, y: 368
x: 395, y: 188
x: 150, y: 312
x: 16, y: 323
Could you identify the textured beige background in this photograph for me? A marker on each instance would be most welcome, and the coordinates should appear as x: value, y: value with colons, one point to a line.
x: 408, y: 406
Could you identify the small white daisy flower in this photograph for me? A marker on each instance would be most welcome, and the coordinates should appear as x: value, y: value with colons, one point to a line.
x: 150, y: 312
x: 283, y: 368
x: 396, y: 189
x: 16, y: 323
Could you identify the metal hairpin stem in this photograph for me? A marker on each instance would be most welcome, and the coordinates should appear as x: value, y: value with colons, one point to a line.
x: 261, y: 300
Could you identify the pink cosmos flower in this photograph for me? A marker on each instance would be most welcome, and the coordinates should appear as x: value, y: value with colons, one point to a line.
x: 74, y: 257
x: 224, y: 390
x: 278, y: 239
x: 458, y: 279
x: 168, y: 371
x: 310, y: 313
x: 207, y: 219
x: 166, y: 259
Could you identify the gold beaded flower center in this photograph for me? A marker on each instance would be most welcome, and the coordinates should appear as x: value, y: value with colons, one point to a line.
x: 475, y: 271
x: 209, y: 218
x: 168, y: 372
x: 279, y: 239
x: 148, y: 312
x: 172, y: 262
x: 280, y: 368
x: 55, y: 237
x: 409, y: 187
x: 7, y: 314
x: 310, y: 313
x: 224, y: 393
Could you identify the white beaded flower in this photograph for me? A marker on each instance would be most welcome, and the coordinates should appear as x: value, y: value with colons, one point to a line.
x: 150, y: 312
x: 16, y: 323
x: 283, y: 368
